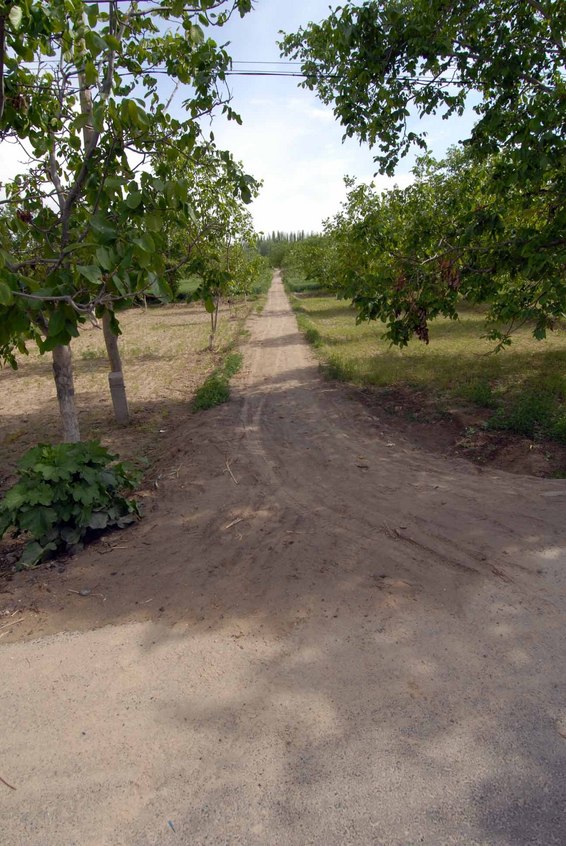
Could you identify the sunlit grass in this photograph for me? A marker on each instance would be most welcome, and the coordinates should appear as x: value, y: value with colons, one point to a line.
x: 525, y: 385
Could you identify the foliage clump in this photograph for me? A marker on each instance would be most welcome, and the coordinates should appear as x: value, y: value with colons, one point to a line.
x: 216, y: 389
x: 486, y: 225
x: 63, y: 492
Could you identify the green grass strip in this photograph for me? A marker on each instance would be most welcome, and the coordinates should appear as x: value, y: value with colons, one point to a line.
x: 216, y: 389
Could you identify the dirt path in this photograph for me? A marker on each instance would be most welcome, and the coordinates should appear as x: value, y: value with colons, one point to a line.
x: 318, y: 635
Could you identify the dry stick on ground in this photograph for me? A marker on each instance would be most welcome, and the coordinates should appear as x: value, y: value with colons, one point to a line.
x: 12, y: 623
x: 228, y: 468
x: 233, y: 523
x: 3, y: 780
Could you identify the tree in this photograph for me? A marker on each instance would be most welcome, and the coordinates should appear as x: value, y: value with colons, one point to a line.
x: 86, y: 225
x: 221, y: 261
x: 382, y: 63
x: 315, y: 257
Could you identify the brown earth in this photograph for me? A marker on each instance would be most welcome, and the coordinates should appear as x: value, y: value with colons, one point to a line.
x: 461, y: 431
x: 319, y: 634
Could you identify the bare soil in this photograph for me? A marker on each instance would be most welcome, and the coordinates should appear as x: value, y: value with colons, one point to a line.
x: 461, y: 431
x: 320, y: 633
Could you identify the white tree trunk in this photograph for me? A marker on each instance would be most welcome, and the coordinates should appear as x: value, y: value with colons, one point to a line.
x: 63, y: 374
x: 116, y: 376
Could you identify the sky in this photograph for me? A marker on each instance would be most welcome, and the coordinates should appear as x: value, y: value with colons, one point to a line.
x: 289, y: 139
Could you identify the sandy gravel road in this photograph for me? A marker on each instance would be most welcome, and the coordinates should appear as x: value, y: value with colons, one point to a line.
x: 318, y: 635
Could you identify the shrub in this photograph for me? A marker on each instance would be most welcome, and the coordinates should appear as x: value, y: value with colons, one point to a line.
x: 63, y: 492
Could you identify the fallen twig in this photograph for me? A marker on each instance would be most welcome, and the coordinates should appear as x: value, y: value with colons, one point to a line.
x: 233, y: 523
x: 3, y: 780
x: 12, y: 623
x: 229, y: 469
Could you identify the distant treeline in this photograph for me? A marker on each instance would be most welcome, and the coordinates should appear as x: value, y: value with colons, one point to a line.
x: 275, y: 245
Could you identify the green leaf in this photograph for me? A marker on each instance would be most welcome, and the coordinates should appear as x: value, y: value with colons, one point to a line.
x: 14, y: 499
x: 6, y: 296
x: 112, y: 41
x: 95, y: 43
x: 72, y: 535
x: 120, y: 285
x: 98, y: 520
x: 90, y: 272
x: 38, y: 521
x: 56, y: 323
x: 90, y: 73
x: 134, y: 199
x: 92, y: 14
x: 32, y: 555
x: 102, y: 226
x: 104, y: 258
x: 153, y: 221
x: 15, y: 16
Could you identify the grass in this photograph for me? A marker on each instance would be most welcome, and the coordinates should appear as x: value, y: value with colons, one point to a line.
x: 524, y: 386
x: 296, y: 283
x: 216, y: 389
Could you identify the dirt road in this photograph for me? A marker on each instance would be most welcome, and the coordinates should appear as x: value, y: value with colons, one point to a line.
x: 318, y: 635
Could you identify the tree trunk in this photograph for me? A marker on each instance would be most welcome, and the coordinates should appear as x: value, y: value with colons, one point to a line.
x: 63, y: 373
x: 116, y: 376
x: 212, y: 333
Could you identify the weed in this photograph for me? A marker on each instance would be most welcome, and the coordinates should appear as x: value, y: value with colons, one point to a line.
x: 64, y: 492
x: 535, y: 412
x: 480, y: 392
x: 232, y: 365
x: 213, y: 392
x: 295, y: 282
x: 216, y: 389
x: 91, y: 355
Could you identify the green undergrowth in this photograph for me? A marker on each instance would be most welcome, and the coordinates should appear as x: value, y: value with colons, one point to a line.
x: 523, y: 387
x: 63, y: 493
x: 216, y: 389
x: 295, y: 282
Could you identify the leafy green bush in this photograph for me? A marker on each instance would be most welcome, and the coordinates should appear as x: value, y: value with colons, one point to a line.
x: 262, y: 283
x: 63, y: 492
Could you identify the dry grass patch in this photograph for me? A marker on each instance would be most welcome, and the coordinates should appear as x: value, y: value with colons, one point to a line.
x: 165, y: 358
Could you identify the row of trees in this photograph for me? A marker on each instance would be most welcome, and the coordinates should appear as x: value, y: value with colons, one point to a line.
x: 488, y: 222
x: 120, y: 195
x: 275, y: 246
x: 406, y: 256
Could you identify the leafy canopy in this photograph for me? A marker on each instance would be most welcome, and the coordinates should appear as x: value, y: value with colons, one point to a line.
x: 86, y: 88
x: 489, y: 222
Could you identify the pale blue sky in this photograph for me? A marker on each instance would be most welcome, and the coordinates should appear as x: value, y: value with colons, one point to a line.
x: 289, y: 138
